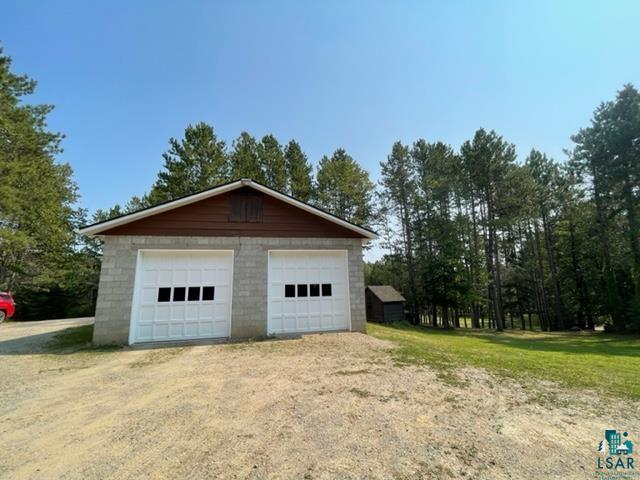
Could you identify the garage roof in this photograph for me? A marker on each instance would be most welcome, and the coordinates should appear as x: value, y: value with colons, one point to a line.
x: 98, y: 228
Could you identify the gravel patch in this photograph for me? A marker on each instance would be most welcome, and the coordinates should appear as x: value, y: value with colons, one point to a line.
x: 318, y: 407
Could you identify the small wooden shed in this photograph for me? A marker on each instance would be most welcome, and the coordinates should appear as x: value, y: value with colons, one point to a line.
x: 384, y: 304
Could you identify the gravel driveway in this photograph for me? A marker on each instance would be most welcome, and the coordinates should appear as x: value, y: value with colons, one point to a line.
x: 323, y: 406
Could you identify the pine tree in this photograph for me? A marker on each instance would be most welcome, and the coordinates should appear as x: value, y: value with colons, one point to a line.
x: 343, y: 188
x: 244, y: 159
x: 440, y: 243
x: 489, y: 159
x: 272, y: 163
x: 195, y: 163
x: 606, y: 155
x: 546, y: 176
x: 299, y: 172
x: 37, y: 195
x: 399, y: 185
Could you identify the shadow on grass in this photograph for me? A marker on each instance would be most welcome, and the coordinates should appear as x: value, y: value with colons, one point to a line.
x: 62, y: 342
x: 599, y: 343
x: 78, y: 339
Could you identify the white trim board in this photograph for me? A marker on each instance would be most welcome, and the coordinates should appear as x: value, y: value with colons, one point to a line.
x: 98, y: 228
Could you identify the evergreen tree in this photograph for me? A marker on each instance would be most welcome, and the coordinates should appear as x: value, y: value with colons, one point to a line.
x: 399, y: 185
x: 195, y: 163
x: 299, y: 172
x: 244, y: 159
x: 37, y: 194
x: 606, y: 156
x: 489, y: 158
x: 49, y: 273
x: 273, y: 164
x: 442, y: 270
x: 546, y: 176
x: 344, y: 189
x: 578, y: 271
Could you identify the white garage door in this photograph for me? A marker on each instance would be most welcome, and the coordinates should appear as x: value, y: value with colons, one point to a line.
x: 308, y: 291
x: 182, y: 295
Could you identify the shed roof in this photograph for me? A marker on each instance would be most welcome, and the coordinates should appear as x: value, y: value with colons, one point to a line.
x: 386, y: 293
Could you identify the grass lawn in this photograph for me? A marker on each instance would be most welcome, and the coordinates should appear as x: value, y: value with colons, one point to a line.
x: 604, y: 362
x: 73, y: 337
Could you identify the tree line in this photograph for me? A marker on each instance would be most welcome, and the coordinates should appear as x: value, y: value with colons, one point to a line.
x: 470, y: 235
x: 54, y: 273
x: 475, y: 235
x: 51, y: 272
x: 201, y: 160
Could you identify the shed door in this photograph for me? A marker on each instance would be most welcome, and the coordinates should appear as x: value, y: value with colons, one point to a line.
x: 182, y: 295
x: 308, y: 291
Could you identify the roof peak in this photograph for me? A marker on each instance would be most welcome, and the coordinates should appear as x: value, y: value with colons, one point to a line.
x: 97, y: 228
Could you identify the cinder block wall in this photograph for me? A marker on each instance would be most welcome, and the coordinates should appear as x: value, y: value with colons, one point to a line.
x: 249, y: 307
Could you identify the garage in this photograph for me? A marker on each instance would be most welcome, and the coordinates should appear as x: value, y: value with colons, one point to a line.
x: 308, y: 291
x: 181, y: 295
x: 239, y: 260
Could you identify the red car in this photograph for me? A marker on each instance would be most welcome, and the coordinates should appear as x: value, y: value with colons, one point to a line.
x: 7, y: 306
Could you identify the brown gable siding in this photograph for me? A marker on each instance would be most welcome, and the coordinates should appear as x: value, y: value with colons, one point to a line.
x: 210, y: 218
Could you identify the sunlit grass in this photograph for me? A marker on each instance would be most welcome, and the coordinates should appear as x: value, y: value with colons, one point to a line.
x: 599, y: 361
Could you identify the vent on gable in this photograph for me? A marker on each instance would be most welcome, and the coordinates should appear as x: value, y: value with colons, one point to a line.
x: 245, y: 206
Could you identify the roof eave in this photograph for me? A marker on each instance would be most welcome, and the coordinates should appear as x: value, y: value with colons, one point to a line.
x: 96, y: 229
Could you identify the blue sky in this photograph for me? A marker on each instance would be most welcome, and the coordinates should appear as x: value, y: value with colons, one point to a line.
x: 126, y: 76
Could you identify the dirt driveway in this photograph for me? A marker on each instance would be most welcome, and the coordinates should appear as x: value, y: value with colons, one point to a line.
x: 323, y: 406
